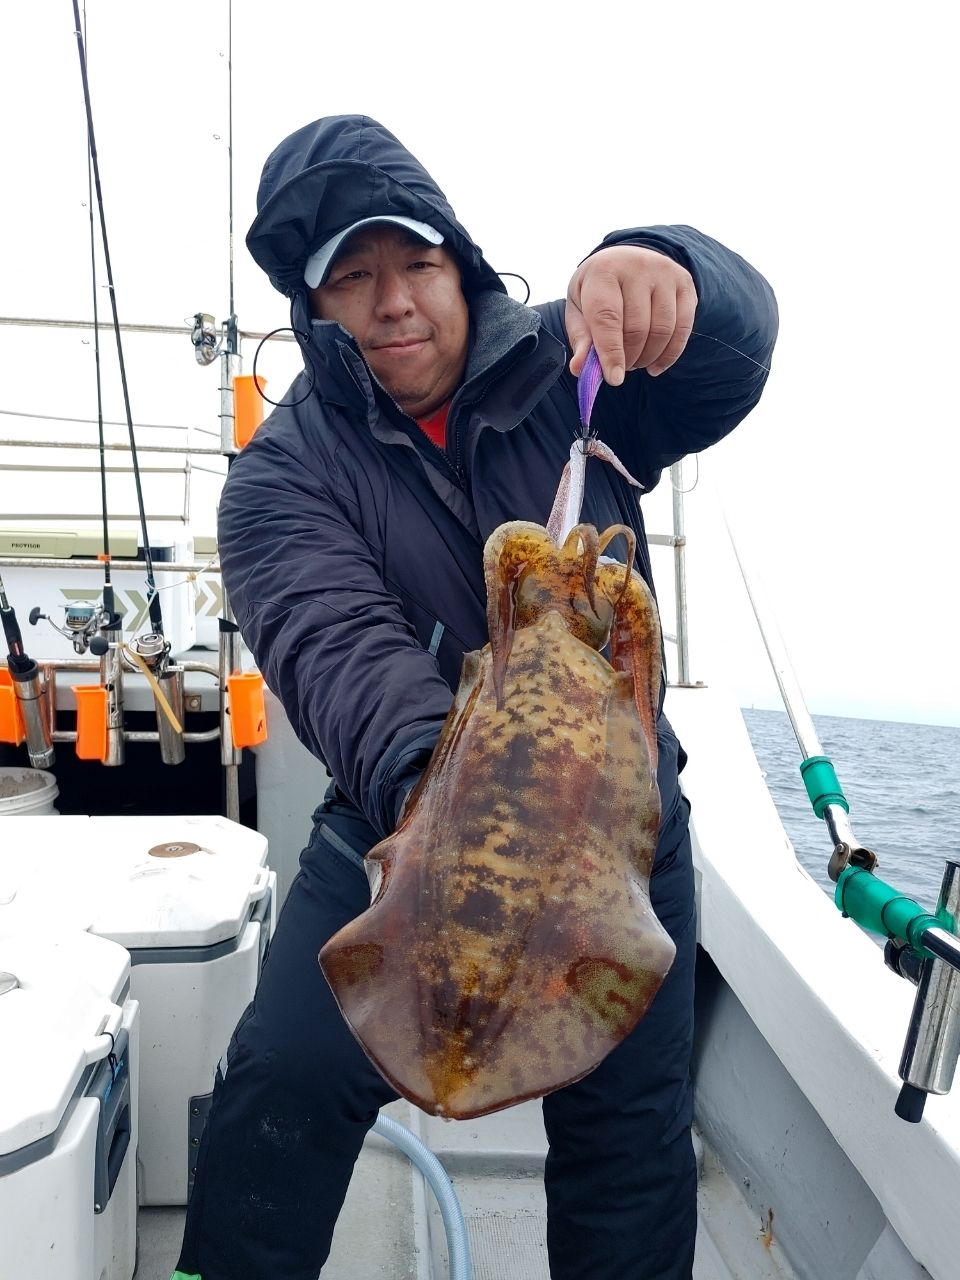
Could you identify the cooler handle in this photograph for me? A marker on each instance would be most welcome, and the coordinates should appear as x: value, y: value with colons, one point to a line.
x: 111, y: 1088
x: 104, y: 1042
x: 118, y: 1150
x: 260, y: 884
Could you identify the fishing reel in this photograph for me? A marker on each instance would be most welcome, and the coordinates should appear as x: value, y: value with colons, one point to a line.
x: 82, y: 626
x: 205, y: 338
x: 153, y: 650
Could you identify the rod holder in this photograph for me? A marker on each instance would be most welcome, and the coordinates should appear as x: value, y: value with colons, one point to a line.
x: 248, y: 715
x: 247, y: 407
x: 91, y: 740
x: 111, y: 677
x: 149, y: 652
x: 31, y: 698
x: 172, y: 748
x: 932, y: 1045
x: 229, y: 663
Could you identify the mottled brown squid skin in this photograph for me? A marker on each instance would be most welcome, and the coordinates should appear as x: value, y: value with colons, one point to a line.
x: 511, y: 944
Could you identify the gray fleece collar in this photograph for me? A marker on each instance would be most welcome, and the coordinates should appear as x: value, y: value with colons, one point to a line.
x: 502, y: 333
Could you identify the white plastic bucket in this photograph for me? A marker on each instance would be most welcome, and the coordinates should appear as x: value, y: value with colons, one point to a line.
x: 27, y: 792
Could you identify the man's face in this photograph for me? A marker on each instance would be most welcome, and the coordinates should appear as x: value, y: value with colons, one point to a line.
x: 402, y: 301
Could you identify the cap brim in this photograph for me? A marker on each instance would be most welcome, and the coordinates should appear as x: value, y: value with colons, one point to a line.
x: 318, y: 264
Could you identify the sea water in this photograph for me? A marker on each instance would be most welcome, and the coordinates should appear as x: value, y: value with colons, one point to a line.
x: 902, y: 782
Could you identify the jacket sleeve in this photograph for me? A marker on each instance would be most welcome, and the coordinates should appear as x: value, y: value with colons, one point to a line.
x: 719, y: 377
x: 329, y: 637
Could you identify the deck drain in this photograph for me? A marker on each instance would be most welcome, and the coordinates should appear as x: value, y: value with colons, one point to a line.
x: 505, y: 1248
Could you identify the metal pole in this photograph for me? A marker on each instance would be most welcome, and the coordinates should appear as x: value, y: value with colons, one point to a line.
x: 193, y: 450
x: 119, y: 564
x: 51, y: 665
x: 231, y: 793
x: 141, y: 735
x: 178, y: 331
x: 945, y: 946
x: 230, y: 366
x: 230, y: 756
x: 680, y: 574
x: 932, y: 1045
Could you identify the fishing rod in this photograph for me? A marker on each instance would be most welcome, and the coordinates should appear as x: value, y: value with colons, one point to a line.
x: 109, y: 624
x: 151, y: 652
x: 153, y: 599
x: 922, y: 947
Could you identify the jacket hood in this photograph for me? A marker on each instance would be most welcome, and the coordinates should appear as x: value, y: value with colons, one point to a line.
x: 332, y: 173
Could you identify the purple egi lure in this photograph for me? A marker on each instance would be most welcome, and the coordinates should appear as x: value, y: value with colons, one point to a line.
x: 569, y: 500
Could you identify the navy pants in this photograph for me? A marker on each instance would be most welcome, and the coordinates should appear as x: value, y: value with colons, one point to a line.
x: 290, y: 1114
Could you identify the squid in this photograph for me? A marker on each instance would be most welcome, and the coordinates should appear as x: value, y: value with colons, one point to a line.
x: 510, y: 943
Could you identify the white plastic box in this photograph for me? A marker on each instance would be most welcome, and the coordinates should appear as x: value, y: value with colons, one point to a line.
x: 193, y: 902
x: 68, y: 1108
x: 209, y: 593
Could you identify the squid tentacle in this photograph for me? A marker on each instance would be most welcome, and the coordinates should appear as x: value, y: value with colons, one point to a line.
x: 503, y: 563
x: 635, y: 649
x: 588, y: 538
x: 606, y: 538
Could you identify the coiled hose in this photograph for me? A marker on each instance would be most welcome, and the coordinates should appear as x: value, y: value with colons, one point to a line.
x: 458, y: 1246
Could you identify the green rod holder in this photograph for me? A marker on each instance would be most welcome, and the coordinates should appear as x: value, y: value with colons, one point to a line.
x: 880, y: 908
x: 822, y: 783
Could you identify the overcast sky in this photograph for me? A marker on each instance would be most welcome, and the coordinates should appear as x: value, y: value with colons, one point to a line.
x: 817, y: 139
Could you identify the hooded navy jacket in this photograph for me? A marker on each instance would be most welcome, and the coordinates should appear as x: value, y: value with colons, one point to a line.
x: 352, y: 547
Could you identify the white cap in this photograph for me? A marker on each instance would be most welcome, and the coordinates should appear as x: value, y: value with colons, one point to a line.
x: 319, y: 262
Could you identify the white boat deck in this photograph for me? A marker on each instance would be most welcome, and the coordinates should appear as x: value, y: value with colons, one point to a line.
x: 390, y: 1227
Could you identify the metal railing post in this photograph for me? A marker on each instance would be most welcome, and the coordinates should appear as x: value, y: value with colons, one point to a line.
x: 680, y: 574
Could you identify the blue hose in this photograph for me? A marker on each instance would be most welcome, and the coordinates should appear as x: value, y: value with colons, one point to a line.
x: 458, y: 1246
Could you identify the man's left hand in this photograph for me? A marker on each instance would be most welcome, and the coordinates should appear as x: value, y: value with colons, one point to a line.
x: 635, y: 305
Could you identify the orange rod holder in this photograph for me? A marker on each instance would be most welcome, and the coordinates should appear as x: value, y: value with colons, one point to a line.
x: 11, y: 718
x: 92, y: 716
x: 248, y: 713
x: 247, y: 407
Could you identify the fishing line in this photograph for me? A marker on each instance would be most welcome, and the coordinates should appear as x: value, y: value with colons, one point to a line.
x: 695, y: 333
x: 108, y: 600
x: 153, y: 599
x: 190, y: 578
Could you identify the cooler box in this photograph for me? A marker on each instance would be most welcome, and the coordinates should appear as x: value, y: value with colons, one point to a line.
x: 194, y: 904
x: 68, y: 1115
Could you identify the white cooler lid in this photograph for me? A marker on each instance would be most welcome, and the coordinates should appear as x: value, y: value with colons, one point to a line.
x: 37, y: 875
x: 68, y: 988
x: 180, y: 881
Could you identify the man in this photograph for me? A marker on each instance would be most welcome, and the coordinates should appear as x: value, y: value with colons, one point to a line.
x: 432, y: 409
